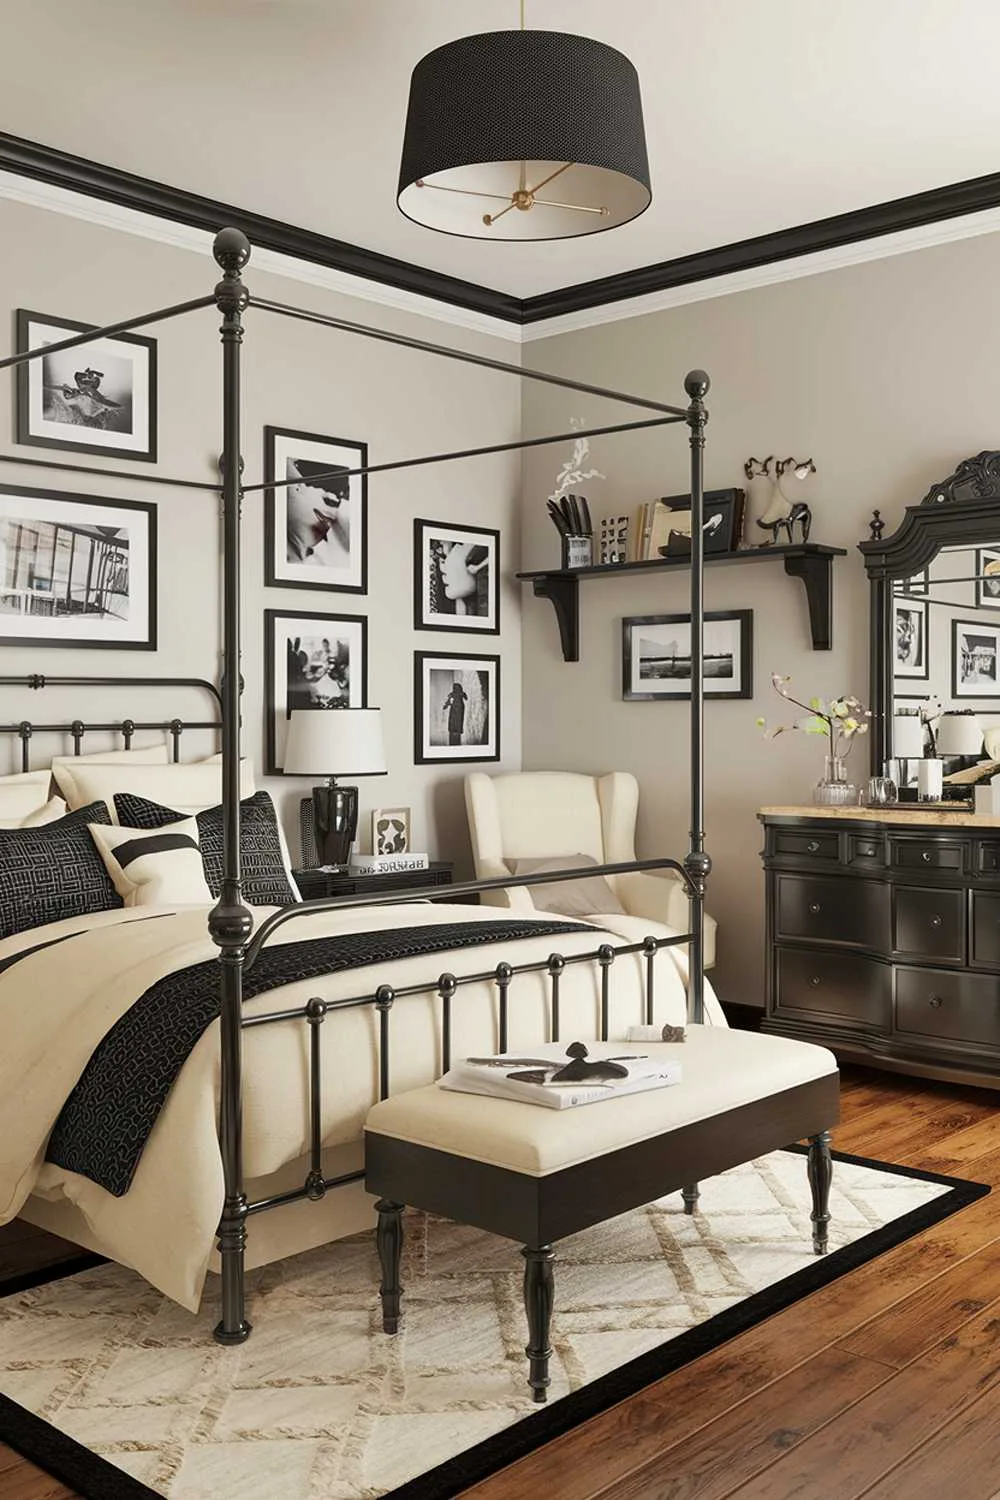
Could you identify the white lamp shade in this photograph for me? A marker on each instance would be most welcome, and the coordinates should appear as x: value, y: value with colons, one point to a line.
x: 907, y: 736
x: 959, y: 734
x: 335, y: 742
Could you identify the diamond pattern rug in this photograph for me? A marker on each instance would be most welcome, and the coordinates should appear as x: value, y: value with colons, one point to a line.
x: 320, y: 1405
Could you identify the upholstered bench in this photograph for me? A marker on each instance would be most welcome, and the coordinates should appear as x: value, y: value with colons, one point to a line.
x: 536, y: 1175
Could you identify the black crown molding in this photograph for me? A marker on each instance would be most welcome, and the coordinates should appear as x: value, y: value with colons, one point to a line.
x: 79, y: 175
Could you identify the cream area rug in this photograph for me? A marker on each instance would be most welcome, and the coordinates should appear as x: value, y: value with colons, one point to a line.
x: 319, y: 1404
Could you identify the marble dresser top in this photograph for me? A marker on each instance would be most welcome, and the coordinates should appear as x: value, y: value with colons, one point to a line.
x: 919, y: 815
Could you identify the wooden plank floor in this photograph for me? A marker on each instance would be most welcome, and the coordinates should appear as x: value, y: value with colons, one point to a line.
x: 885, y: 1384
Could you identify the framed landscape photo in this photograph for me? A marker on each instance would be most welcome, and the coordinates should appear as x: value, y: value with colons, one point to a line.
x: 975, y: 659
x: 76, y: 570
x: 456, y: 706
x: 391, y: 830
x: 910, y: 638
x: 311, y: 661
x: 656, y: 655
x: 456, y: 578
x: 987, y: 578
x: 315, y: 512
x: 94, y: 398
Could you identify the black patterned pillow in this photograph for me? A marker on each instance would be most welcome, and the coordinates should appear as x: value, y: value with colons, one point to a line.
x: 53, y: 872
x: 265, y: 874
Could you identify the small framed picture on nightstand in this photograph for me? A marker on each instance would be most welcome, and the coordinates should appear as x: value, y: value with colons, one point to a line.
x: 391, y: 830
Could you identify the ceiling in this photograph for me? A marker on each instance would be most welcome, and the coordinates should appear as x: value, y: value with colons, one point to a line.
x: 760, y: 114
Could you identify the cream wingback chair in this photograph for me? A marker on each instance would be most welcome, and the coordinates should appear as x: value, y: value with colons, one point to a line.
x: 534, y: 815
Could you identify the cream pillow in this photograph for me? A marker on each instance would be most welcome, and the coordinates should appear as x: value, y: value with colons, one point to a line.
x: 63, y: 766
x: 21, y: 794
x: 587, y: 897
x: 47, y: 813
x: 189, y: 787
x: 162, y: 868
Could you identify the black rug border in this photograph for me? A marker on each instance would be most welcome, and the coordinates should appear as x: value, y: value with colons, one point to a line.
x: 95, y: 1478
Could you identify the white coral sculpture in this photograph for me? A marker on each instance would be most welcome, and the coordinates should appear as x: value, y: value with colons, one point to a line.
x: 572, y: 472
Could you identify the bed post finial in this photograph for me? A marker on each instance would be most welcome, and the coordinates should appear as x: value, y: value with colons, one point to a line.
x: 697, y: 863
x: 231, y: 249
x: 697, y: 384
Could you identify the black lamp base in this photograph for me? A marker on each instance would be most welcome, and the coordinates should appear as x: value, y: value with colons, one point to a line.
x: 335, y: 809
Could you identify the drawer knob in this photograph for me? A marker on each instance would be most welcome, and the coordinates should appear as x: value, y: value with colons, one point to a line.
x: 815, y: 981
x: 865, y: 849
x: 935, y: 1002
x: 935, y: 921
x: 812, y: 846
x: 814, y: 908
x: 926, y: 856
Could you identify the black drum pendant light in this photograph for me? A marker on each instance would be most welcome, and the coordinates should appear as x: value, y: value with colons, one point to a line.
x: 524, y: 135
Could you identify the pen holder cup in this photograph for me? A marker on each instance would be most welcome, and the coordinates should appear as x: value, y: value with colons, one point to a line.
x: 577, y: 551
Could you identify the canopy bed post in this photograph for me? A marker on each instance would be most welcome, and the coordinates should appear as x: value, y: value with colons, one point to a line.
x: 697, y: 863
x: 230, y: 923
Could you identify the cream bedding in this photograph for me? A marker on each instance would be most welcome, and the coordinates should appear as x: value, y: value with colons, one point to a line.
x: 56, y: 1005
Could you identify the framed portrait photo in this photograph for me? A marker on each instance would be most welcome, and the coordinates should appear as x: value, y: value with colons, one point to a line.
x: 456, y: 707
x: 315, y: 512
x: 975, y: 667
x: 76, y: 570
x: 987, y: 578
x: 391, y: 830
x: 456, y: 578
x: 656, y: 655
x: 910, y: 644
x: 94, y: 398
x: 311, y: 661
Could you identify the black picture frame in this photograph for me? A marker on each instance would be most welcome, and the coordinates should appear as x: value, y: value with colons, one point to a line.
x: 63, y: 585
x: 975, y: 659
x: 910, y: 643
x: 987, y: 585
x: 670, y: 668
x: 726, y: 536
x: 434, y: 674
x: 440, y: 603
x: 333, y: 562
x: 279, y: 690
x: 62, y: 392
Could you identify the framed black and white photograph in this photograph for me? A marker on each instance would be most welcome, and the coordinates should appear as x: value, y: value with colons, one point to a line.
x: 456, y: 578
x: 656, y: 655
x: 456, y: 706
x: 94, y: 398
x: 76, y: 571
x: 975, y: 669
x: 311, y: 661
x: 316, y: 512
x: 391, y: 830
x: 987, y: 578
x: 722, y: 526
x: 910, y: 637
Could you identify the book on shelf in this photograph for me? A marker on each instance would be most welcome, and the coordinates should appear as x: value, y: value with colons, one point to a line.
x: 387, y: 864
x: 560, y: 1077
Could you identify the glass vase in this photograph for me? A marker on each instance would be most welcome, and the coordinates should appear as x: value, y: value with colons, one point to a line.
x: 835, y: 790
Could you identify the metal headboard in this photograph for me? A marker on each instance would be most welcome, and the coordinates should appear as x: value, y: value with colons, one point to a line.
x: 26, y: 729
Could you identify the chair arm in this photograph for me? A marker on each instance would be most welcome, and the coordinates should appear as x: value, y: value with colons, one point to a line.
x: 662, y: 898
x: 516, y: 898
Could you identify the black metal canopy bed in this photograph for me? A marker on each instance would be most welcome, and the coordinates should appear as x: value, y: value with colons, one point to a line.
x: 144, y: 1103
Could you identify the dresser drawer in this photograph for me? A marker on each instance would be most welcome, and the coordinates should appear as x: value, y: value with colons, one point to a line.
x: 930, y: 923
x: 806, y: 844
x: 842, y: 986
x: 985, y: 944
x: 987, y: 857
x: 927, y: 854
x: 957, y: 1007
x: 865, y: 851
x: 832, y: 909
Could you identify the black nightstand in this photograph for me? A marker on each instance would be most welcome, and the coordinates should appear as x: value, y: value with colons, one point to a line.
x: 316, y: 883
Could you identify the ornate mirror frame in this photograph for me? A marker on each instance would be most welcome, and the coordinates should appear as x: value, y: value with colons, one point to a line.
x: 962, y: 509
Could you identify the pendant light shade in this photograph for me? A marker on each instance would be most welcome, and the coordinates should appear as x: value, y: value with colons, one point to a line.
x: 524, y: 135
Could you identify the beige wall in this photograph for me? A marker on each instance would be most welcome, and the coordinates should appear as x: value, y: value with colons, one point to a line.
x: 402, y: 403
x: 885, y: 374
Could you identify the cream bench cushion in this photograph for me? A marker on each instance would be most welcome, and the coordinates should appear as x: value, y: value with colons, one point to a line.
x: 722, y: 1070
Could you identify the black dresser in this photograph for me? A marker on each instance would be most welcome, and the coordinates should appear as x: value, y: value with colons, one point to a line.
x: 883, y: 938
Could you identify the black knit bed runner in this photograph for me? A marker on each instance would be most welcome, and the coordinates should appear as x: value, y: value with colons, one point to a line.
x: 106, y: 1121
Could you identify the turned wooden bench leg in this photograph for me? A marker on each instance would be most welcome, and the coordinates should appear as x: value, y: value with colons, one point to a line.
x: 539, y: 1287
x: 389, y: 1241
x: 819, y: 1166
x: 690, y: 1196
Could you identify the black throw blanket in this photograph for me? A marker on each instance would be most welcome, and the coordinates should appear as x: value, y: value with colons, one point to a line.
x: 106, y: 1120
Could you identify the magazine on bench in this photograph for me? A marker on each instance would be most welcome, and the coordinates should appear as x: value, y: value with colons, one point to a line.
x: 561, y: 1077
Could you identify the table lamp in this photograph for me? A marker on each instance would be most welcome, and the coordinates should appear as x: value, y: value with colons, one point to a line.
x: 959, y: 734
x: 335, y: 742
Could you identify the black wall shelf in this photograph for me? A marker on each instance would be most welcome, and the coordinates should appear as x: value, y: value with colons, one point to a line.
x: 809, y: 561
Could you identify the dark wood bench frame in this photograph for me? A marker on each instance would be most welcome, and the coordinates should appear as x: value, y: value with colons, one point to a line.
x: 538, y: 1211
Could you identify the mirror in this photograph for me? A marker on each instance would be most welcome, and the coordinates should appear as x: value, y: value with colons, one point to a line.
x: 935, y: 647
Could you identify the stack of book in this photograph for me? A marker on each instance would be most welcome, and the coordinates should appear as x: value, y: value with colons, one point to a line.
x: 561, y: 1077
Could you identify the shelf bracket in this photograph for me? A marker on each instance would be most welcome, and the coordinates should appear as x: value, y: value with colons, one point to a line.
x: 816, y: 572
x: 564, y: 592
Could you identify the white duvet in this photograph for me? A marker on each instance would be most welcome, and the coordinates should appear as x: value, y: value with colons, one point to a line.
x: 57, y: 1004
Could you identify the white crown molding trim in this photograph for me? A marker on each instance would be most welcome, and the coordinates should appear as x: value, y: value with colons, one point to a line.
x: 183, y: 237
x: 880, y: 248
